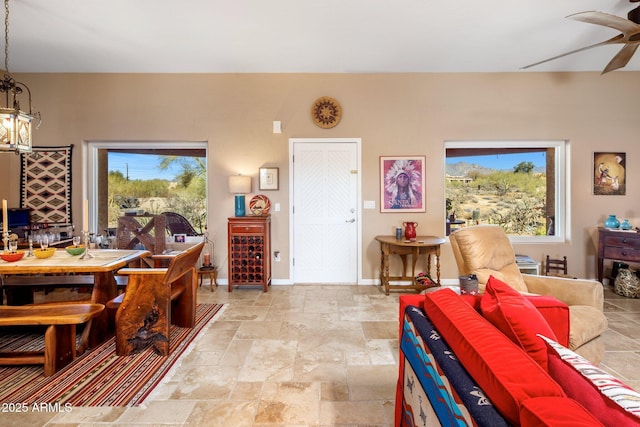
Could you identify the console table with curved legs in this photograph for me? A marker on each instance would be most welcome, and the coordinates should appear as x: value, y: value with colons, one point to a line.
x: 423, y: 245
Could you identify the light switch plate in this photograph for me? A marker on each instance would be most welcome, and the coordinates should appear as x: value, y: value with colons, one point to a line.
x: 369, y: 204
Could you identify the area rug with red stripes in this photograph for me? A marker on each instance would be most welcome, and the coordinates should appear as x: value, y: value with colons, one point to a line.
x: 98, y: 377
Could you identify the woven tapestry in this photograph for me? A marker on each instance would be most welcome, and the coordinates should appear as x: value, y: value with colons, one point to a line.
x: 45, y: 187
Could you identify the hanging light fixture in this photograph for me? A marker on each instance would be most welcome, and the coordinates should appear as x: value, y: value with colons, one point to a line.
x: 15, y: 124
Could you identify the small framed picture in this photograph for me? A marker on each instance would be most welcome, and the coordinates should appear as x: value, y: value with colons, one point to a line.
x: 180, y: 238
x: 402, y: 184
x: 609, y: 174
x: 268, y: 178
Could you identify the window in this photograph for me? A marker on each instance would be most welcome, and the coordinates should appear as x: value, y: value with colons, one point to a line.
x: 519, y: 185
x: 127, y: 176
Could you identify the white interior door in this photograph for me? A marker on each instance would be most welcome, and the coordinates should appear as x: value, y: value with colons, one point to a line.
x: 325, y: 212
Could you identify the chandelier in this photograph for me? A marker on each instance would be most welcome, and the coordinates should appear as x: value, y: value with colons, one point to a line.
x: 15, y: 124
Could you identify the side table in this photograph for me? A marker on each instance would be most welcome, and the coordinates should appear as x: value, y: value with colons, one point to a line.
x: 527, y: 265
x: 389, y: 245
x: 212, y: 272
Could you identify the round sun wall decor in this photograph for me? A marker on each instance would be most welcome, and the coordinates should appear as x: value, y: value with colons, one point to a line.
x: 326, y: 112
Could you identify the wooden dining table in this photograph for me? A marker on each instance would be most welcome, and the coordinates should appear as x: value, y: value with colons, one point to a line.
x: 102, y: 265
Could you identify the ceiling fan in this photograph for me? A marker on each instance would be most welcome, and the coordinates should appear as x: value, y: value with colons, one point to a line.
x: 630, y: 37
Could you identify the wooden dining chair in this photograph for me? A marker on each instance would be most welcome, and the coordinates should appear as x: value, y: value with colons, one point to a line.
x: 556, y: 267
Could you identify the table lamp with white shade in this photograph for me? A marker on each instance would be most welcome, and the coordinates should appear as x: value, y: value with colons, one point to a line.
x: 240, y: 185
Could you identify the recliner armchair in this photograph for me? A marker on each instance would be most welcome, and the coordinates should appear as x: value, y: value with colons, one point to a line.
x: 485, y: 250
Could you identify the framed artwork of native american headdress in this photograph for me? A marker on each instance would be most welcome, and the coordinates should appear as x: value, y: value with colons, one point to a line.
x: 402, y: 184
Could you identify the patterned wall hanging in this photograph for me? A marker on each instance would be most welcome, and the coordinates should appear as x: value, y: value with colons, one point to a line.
x: 45, y: 187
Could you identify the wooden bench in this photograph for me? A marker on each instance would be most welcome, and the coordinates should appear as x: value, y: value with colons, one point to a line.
x: 19, y: 289
x: 153, y: 299
x: 59, y: 337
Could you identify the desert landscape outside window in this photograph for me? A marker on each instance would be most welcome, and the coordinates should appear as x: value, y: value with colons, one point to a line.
x: 519, y: 185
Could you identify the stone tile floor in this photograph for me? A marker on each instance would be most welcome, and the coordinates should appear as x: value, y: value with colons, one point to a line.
x: 622, y: 339
x: 302, y: 355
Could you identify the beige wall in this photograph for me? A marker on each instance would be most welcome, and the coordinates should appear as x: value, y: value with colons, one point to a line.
x: 394, y: 114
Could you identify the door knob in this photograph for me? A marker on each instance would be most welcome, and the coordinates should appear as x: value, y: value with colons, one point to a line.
x: 350, y: 220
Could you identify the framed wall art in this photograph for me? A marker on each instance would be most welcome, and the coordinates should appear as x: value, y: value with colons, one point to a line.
x: 402, y: 184
x: 268, y: 179
x: 609, y: 174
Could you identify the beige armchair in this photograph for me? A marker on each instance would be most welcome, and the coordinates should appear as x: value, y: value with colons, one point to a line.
x: 485, y: 250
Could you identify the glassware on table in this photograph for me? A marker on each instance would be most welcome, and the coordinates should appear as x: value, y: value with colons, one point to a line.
x: 86, y: 238
x: 76, y: 240
x: 44, y: 242
x: 13, y: 246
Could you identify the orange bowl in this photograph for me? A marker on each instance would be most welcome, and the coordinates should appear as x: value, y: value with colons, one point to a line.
x: 12, y: 256
x: 44, y: 253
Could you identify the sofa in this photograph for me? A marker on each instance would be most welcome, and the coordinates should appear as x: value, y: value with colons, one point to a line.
x: 485, y: 250
x: 500, y: 359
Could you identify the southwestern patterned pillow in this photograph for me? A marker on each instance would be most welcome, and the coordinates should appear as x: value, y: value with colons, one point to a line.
x: 606, y: 397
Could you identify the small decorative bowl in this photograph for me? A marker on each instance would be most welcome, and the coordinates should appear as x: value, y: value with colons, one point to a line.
x: 44, y: 253
x: 12, y: 256
x: 75, y: 250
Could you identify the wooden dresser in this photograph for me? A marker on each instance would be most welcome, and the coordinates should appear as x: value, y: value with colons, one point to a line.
x: 617, y: 245
x: 249, y: 239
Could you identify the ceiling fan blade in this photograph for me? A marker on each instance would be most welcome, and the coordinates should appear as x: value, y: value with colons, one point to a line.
x: 610, y: 41
x: 622, y: 58
x: 612, y: 21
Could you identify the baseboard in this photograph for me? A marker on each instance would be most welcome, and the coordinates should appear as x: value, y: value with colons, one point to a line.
x: 371, y: 282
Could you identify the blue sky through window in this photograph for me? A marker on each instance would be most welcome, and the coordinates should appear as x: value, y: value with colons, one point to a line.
x: 140, y: 166
x: 502, y: 161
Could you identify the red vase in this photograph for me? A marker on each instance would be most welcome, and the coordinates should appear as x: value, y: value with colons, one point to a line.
x: 410, y: 230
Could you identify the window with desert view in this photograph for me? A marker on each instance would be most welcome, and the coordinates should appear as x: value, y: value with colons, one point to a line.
x: 157, y: 182
x: 517, y: 185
